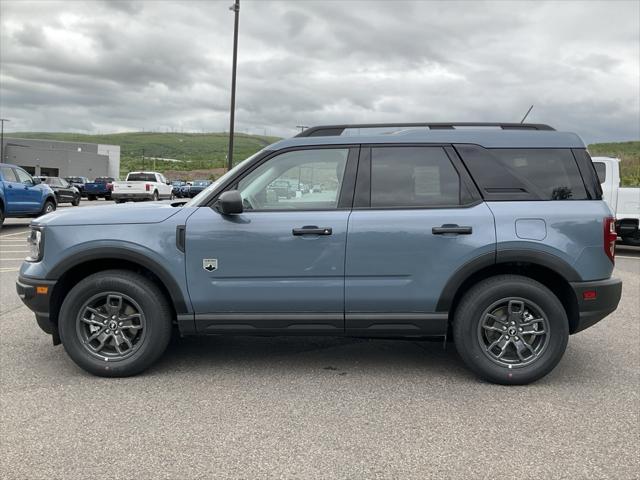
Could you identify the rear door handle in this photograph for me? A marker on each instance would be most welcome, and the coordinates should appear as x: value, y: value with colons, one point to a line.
x: 451, y: 228
x: 312, y: 230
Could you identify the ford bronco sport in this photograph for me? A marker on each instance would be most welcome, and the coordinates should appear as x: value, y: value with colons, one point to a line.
x: 495, y: 235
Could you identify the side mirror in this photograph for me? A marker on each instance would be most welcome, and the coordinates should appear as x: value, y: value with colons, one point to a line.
x: 35, y: 180
x: 229, y: 203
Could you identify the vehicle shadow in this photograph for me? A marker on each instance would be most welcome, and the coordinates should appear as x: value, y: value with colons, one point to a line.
x: 8, y: 228
x: 309, y: 354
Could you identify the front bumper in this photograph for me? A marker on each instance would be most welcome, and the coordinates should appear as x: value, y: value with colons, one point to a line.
x: 603, y: 302
x: 36, y: 295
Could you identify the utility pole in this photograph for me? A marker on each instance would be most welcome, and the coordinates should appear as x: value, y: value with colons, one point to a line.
x: 236, y: 9
x: 143, y: 159
x: 302, y: 127
x: 2, y: 120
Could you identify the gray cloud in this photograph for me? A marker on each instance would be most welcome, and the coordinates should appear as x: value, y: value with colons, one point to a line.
x: 127, y: 65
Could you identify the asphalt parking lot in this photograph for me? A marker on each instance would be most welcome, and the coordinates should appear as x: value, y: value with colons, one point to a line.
x: 316, y: 407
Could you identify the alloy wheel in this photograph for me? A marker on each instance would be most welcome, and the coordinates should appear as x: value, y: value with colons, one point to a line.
x: 513, y: 332
x: 111, y: 326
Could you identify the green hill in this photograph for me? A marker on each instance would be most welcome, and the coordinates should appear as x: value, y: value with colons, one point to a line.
x: 207, y: 151
x: 194, y: 151
x: 628, y: 153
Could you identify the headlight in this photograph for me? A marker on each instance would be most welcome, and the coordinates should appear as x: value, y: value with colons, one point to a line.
x: 34, y: 240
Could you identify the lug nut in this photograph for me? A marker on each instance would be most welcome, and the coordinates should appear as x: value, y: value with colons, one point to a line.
x: 520, y: 329
x: 120, y: 324
x: 517, y: 338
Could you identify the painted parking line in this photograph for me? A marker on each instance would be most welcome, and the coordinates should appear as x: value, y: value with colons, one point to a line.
x: 9, y: 269
x: 24, y: 250
x: 7, y: 259
x: 13, y: 234
x: 625, y: 256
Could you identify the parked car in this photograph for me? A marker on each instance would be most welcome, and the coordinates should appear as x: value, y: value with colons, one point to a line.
x: 282, y: 188
x: 176, y: 185
x: 64, y: 191
x: 101, y: 187
x: 142, y: 186
x: 198, y: 186
x: 497, y: 237
x: 23, y: 196
x: 623, y: 201
x: 79, y: 183
x: 184, y: 190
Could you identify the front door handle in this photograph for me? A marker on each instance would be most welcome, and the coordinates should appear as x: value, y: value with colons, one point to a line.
x: 451, y: 228
x: 312, y: 230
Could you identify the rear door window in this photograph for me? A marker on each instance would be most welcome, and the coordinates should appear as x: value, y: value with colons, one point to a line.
x: 524, y: 174
x: 413, y: 177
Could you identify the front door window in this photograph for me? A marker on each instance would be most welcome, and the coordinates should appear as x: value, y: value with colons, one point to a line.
x: 299, y: 180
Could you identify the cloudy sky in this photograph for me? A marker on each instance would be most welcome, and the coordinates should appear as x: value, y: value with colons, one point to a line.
x: 109, y: 66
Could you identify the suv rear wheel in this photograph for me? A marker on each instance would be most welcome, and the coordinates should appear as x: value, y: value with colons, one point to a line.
x: 48, y: 207
x: 115, y: 323
x: 510, y: 330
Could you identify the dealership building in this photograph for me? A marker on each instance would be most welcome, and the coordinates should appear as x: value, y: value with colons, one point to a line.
x: 52, y: 158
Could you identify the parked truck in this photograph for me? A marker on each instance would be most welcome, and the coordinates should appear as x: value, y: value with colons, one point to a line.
x: 21, y: 195
x: 142, y: 186
x: 100, y: 188
x: 624, y: 202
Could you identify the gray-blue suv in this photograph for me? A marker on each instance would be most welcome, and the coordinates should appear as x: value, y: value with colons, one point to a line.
x: 494, y: 235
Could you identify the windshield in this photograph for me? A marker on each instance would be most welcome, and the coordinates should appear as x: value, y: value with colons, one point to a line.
x: 103, y: 180
x: 201, y: 183
x: 204, y: 193
x: 74, y: 179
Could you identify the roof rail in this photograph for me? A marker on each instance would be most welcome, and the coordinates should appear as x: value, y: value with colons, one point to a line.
x: 336, y: 130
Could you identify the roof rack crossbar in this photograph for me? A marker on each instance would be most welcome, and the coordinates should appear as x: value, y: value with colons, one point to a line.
x: 337, y: 130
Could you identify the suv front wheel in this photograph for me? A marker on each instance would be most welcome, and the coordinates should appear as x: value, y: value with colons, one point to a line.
x: 510, y: 329
x: 115, y: 323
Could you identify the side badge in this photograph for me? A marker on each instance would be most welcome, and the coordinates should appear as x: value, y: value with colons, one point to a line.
x: 210, y: 264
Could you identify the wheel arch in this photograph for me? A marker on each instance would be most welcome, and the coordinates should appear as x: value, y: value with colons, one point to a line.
x: 71, y: 271
x: 549, y: 270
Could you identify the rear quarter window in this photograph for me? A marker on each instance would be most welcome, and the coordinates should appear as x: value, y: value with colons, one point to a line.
x: 524, y: 174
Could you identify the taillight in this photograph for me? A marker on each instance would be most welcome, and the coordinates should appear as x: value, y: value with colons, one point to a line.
x: 109, y: 186
x: 610, y: 237
x: 147, y: 187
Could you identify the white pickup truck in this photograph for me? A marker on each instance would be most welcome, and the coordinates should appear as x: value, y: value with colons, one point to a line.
x: 142, y: 186
x: 623, y: 201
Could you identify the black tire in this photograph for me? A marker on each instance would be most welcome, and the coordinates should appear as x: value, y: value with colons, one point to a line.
x: 91, y: 198
x: 155, y: 196
x: 633, y: 240
x: 471, y: 336
x: 155, y: 316
x: 48, y: 207
x: 1, y: 217
x: 76, y: 200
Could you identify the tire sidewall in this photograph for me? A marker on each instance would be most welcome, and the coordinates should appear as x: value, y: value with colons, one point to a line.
x: 154, y: 308
x: 470, y: 314
x: 44, y: 207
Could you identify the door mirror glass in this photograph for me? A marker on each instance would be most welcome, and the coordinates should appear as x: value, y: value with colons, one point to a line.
x: 229, y: 203
x: 34, y: 181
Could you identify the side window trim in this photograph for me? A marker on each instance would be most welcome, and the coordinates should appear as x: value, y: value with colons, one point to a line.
x: 345, y: 200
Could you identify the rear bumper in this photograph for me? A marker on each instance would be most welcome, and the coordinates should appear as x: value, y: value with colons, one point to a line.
x: 132, y: 196
x: 32, y: 293
x: 591, y: 311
